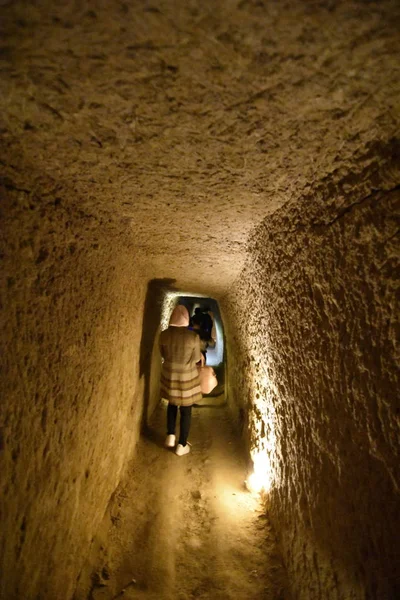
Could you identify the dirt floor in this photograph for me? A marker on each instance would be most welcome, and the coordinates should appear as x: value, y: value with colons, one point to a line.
x: 185, y: 527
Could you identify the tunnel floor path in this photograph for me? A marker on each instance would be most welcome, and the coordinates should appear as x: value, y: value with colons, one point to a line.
x: 184, y: 527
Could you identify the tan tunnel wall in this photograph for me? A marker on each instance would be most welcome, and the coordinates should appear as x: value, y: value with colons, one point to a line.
x: 311, y: 330
x: 71, y: 392
x: 171, y: 131
x: 310, y: 336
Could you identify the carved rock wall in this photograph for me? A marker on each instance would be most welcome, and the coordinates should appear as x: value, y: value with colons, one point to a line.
x: 71, y: 392
x: 189, y: 122
x: 170, y: 131
x: 311, y: 329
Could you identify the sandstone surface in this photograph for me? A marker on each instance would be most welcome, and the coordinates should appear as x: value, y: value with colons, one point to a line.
x: 241, y: 149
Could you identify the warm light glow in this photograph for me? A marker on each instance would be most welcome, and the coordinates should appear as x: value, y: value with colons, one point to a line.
x: 260, y: 479
x: 262, y: 425
x: 235, y: 500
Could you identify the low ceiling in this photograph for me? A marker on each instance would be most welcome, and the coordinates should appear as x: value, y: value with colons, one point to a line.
x: 187, y: 122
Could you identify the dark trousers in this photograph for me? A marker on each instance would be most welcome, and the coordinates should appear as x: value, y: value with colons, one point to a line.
x: 186, y: 417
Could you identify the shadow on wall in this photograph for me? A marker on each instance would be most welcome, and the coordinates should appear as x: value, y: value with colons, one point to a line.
x: 149, y: 357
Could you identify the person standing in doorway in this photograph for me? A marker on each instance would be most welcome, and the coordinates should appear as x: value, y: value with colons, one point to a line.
x: 180, y: 383
x: 202, y: 322
x: 197, y: 317
x: 207, y: 320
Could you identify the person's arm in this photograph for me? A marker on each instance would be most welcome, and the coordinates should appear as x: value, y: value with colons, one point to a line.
x: 213, y: 331
x: 196, y: 350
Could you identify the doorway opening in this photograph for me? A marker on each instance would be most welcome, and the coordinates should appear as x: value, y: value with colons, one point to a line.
x: 215, y: 356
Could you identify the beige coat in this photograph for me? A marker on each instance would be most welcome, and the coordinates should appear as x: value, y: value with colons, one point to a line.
x: 180, y: 349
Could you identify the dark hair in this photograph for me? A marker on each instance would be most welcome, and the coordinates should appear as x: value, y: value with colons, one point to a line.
x: 198, y: 310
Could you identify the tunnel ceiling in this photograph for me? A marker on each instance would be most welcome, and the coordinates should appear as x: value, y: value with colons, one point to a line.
x: 184, y: 123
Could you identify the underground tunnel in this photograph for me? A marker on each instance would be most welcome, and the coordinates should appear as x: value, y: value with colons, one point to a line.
x: 243, y: 152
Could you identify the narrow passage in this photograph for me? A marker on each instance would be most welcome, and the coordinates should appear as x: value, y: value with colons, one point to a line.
x: 184, y: 527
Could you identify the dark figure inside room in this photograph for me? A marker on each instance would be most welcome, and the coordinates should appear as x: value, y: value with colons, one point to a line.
x: 203, y: 324
x: 207, y: 321
x: 196, y: 318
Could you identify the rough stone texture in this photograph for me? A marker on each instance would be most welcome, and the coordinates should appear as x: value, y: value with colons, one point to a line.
x: 313, y: 363
x: 190, y: 121
x: 144, y: 141
x: 71, y: 393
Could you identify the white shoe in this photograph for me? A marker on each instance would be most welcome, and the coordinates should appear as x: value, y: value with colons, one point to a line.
x: 182, y: 450
x: 170, y: 441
